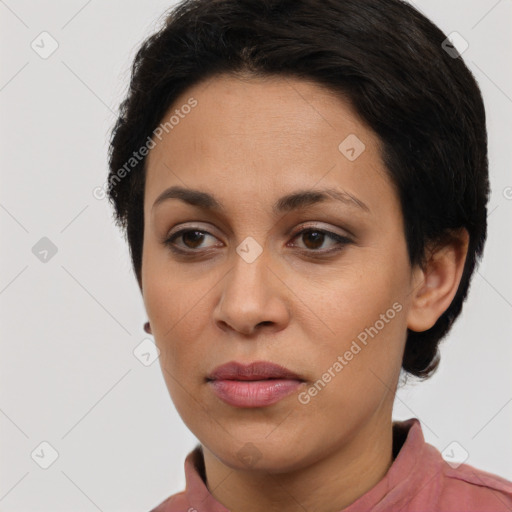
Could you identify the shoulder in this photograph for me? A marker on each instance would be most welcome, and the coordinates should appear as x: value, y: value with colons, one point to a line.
x: 471, y: 489
x: 436, y: 484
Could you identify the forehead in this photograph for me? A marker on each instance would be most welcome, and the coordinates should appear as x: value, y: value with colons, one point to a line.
x: 255, y: 139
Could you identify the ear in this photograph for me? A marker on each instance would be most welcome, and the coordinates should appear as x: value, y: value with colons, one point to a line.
x: 436, y: 284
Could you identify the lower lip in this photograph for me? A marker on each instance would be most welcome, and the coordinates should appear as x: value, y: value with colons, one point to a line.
x: 253, y: 393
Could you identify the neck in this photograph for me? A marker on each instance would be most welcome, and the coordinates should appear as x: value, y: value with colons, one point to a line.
x: 329, y: 485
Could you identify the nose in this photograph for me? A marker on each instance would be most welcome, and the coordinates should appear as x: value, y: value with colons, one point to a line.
x: 253, y: 297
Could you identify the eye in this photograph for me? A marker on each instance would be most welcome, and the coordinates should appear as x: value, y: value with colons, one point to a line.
x: 315, y: 238
x: 191, y: 237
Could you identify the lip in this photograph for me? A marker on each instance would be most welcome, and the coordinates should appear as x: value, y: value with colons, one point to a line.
x: 258, y: 384
x: 257, y: 370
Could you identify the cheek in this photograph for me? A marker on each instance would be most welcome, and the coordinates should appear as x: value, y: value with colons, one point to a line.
x: 176, y: 321
x: 352, y: 297
x: 355, y: 369
x: 166, y: 292
x: 362, y: 308
x: 177, y: 307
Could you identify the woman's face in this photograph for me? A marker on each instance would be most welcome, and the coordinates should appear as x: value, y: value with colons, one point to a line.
x: 250, y: 288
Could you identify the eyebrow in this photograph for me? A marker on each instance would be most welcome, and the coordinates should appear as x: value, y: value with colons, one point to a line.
x: 294, y: 201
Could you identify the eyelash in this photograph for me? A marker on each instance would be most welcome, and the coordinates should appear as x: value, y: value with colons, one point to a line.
x: 341, y: 241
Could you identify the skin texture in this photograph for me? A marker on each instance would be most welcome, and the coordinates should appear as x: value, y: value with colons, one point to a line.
x: 249, y: 142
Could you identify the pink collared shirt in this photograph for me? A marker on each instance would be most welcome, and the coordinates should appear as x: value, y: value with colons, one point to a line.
x: 418, y: 480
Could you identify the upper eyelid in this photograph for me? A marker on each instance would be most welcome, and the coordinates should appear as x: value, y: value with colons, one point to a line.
x: 181, y: 228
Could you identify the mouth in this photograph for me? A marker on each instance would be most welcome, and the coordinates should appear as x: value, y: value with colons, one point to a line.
x: 258, y: 384
x: 251, y: 379
x: 255, y: 371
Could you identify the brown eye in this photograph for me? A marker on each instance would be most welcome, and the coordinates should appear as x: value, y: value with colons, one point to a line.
x: 314, y: 238
x: 191, y: 238
x: 194, y: 238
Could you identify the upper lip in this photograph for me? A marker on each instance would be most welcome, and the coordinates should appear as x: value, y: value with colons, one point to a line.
x: 257, y: 370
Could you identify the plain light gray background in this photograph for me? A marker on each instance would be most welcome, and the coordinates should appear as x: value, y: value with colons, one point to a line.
x: 69, y: 325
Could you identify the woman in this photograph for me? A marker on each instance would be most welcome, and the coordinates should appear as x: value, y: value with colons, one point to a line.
x: 304, y: 188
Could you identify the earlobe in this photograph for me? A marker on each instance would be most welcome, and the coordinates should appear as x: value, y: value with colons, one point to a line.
x: 435, y: 286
